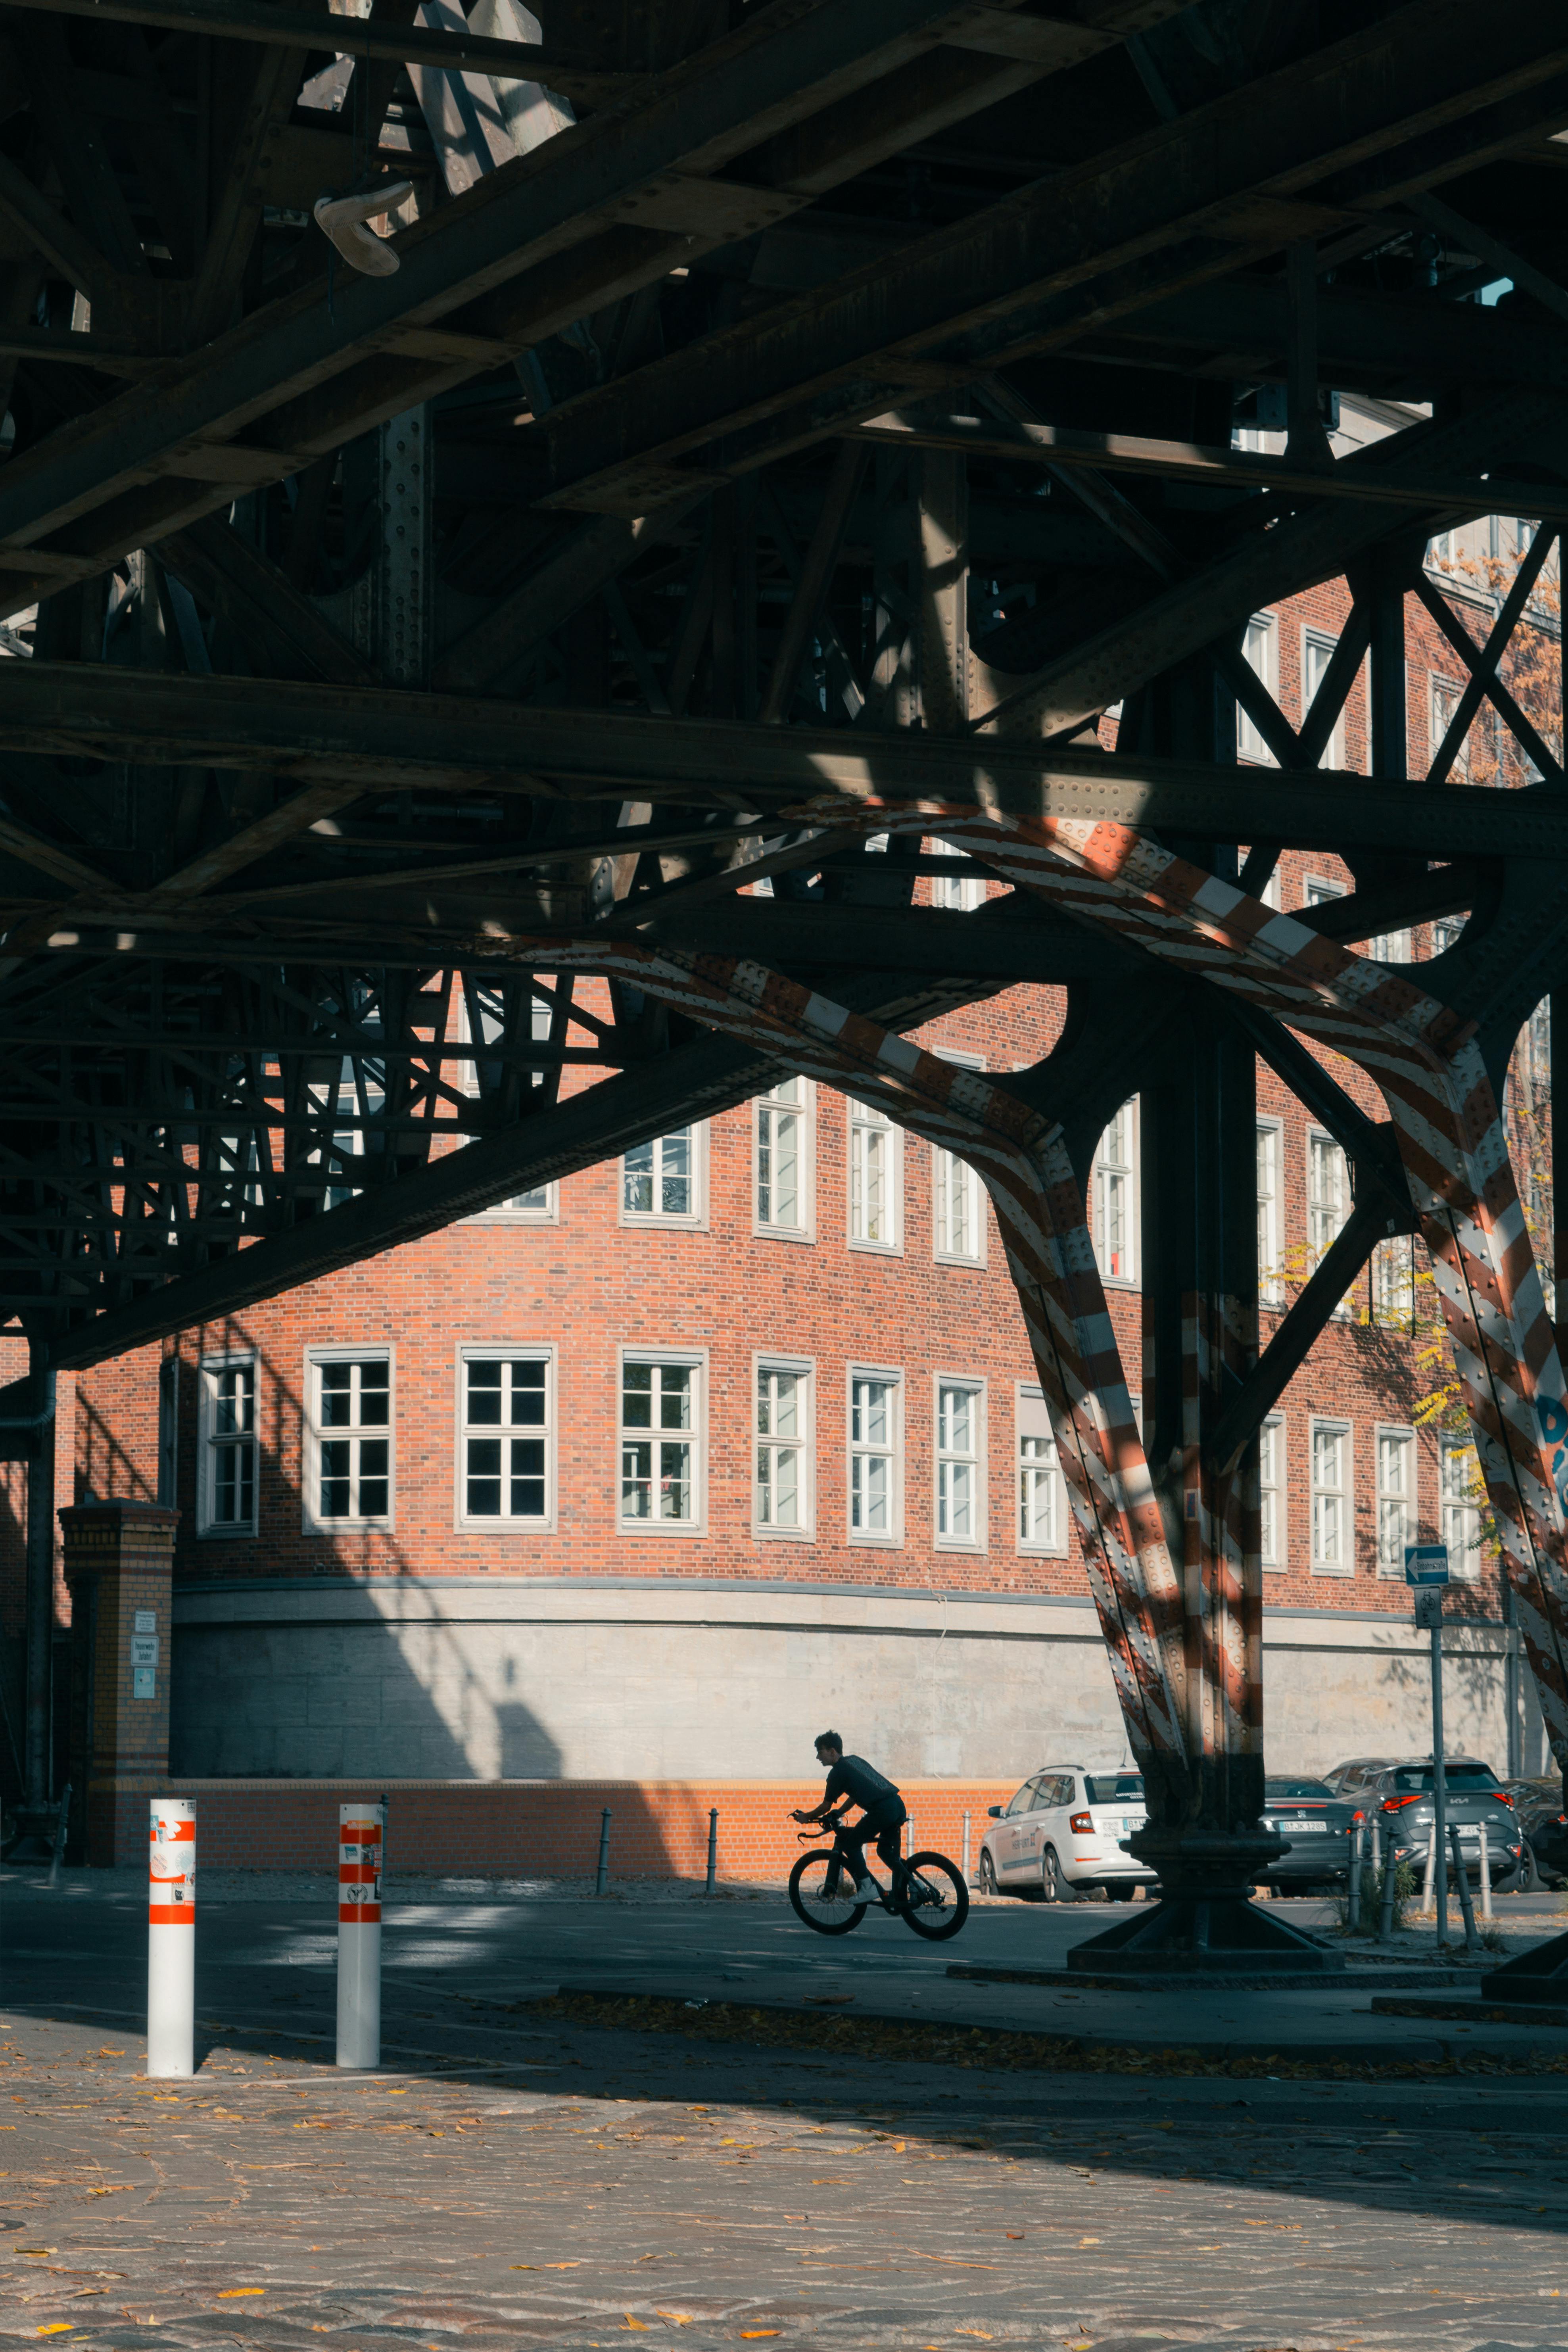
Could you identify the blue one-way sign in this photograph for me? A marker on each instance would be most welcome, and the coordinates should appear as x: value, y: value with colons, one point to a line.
x: 1425, y: 1563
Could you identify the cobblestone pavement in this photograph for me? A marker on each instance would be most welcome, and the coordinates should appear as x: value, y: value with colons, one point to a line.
x: 541, y: 2184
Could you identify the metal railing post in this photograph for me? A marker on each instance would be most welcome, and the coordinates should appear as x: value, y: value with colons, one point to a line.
x: 1487, y: 1874
x: 967, y: 1849
x: 1352, y: 1915
x: 603, y: 1880
x: 712, y: 1846
x: 1429, y: 1877
x: 1461, y: 1877
x: 1390, y: 1876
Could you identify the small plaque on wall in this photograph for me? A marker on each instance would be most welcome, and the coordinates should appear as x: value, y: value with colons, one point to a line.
x: 143, y: 1682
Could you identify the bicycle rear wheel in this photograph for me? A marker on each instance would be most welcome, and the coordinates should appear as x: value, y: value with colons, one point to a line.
x: 823, y: 1894
x: 934, y: 1900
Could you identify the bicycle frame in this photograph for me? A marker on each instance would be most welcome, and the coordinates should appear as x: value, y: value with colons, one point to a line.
x: 844, y: 1860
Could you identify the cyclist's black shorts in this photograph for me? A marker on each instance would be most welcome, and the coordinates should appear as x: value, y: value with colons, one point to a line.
x: 882, y: 1821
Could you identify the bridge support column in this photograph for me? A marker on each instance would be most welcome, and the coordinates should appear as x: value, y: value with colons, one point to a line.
x: 119, y: 1561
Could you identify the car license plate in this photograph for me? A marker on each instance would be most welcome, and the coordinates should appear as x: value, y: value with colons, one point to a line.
x: 1131, y: 1821
x: 1318, y: 1829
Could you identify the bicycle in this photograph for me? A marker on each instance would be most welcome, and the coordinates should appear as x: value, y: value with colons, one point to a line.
x: 928, y: 1892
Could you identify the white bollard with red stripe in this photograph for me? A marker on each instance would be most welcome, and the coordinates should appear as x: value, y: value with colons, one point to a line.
x: 172, y: 1936
x: 359, y: 1934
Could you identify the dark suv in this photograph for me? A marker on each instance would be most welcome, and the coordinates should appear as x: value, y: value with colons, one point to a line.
x: 1478, y: 1806
x: 1544, y: 1826
x: 1355, y: 1778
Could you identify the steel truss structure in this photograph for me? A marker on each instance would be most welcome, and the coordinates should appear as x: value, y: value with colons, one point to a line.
x: 788, y: 428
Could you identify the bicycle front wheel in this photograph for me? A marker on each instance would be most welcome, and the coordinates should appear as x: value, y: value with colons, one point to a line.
x: 823, y: 1894
x: 935, y: 1900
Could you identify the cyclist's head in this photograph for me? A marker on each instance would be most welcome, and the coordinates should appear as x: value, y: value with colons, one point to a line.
x: 829, y: 1747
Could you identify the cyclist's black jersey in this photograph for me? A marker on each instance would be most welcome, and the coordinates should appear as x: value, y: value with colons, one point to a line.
x: 852, y: 1777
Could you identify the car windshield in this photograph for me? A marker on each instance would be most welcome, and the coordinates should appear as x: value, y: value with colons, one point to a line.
x: 1112, y: 1787
x: 1279, y: 1789
x: 1409, y: 1776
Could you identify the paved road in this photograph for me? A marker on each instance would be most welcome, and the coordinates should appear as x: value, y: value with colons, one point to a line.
x: 529, y: 2182
x: 576, y: 2188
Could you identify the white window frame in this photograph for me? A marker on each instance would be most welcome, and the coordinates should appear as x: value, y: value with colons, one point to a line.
x: 863, y: 1120
x: 1130, y: 1169
x: 804, y: 1109
x: 959, y: 894
x: 948, y: 1168
x: 689, y: 1359
x: 889, y: 1539
x: 696, y: 1219
x: 1250, y: 743
x: 316, y: 1359
x: 1273, y: 1486
x: 1029, y: 1404
x: 1270, y: 1238
x: 1321, y: 641
x: 209, y: 1444
x: 1392, y: 1272
x: 805, y: 1371
x: 1325, y: 1424
x: 943, y: 1458
x: 1387, y: 1436
x: 1466, y: 1561
x: 1439, y: 715
x: 1317, y: 1209
x: 1320, y: 890
x: 521, y: 1211
x: 504, y: 1523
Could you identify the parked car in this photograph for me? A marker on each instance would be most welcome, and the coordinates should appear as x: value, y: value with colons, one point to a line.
x: 1060, y: 1835
x: 1319, y: 1826
x: 1544, y: 1825
x: 1355, y: 1778
x: 1478, y: 1805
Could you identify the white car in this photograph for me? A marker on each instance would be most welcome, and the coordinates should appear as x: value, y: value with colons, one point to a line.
x: 1061, y: 1831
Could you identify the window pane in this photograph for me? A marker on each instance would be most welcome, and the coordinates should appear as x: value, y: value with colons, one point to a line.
x: 637, y: 1482
x: 869, y: 1484
x: 528, y: 1392
x: 337, y: 1400
x: 674, y: 1481
x: 335, y: 1459
x: 636, y: 1181
x: 484, y: 1393
x: 374, y: 1393
x: 527, y: 1496
x: 636, y: 1392
x: 484, y: 1477
x: 675, y: 1174
x: 675, y: 1396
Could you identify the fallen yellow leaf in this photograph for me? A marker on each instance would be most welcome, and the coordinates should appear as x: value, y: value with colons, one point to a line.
x: 58, y: 2327
x: 1082, y: 2241
x: 523, y: 2266
x: 681, y: 2318
x: 561, y: 2266
x: 641, y: 2325
x: 228, y: 2293
x: 898, y: 2146
x: 747, y: 2333
x: 1088, y: 2242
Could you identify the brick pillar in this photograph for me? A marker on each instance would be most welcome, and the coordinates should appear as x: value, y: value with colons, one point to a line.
x: 119, y: 1560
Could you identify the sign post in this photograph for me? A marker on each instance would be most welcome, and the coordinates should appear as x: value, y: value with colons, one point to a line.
x: 1427, y: 1571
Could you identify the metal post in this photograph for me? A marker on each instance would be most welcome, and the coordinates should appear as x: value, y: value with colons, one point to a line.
x: 172, y: 1936
x: 1353, y: 1919
x: 1428, y: 1875
x: 40, y: 1586
x: 712, y: 1846
x: 1486, y: 1875
x: 359, y: 1934
x: 1439, y: 1787
x: 603, y: 1879
x: 1385, y: 1908
x: 1461, y: 1879
x: 908, y: 1836
x: 967, y: 1849
x: 62, y: 1822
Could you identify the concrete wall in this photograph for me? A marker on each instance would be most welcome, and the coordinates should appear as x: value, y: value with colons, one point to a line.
x: 508, y: 1678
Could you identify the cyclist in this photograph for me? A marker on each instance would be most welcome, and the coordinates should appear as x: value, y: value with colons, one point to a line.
x: 883, y: 1814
